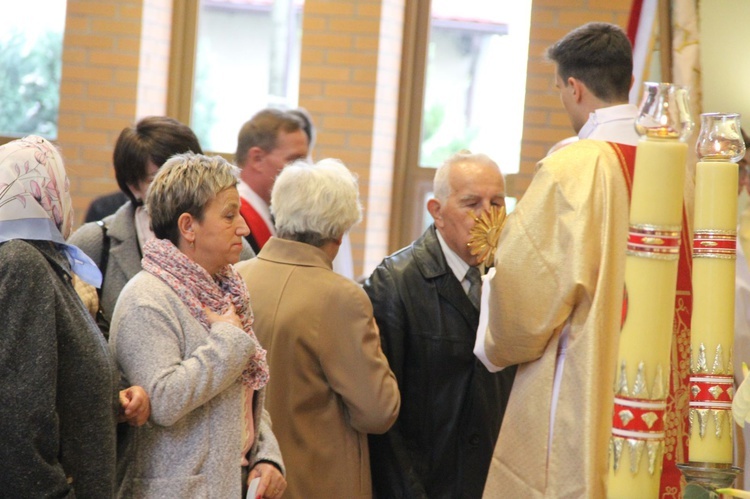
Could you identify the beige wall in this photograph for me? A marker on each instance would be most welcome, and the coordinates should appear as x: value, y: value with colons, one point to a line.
x: 725, y: 67
x: 725, y: 57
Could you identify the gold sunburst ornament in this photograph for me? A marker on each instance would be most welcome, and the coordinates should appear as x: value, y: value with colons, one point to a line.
x: 486, y: 233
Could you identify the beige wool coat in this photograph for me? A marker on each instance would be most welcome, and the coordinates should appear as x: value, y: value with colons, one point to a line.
x: 330, y: 382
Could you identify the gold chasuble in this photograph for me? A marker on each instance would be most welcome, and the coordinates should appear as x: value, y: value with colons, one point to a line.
x: 556, y: 304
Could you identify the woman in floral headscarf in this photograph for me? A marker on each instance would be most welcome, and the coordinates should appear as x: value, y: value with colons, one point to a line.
x: 182, y: 329
x: 58, y: 385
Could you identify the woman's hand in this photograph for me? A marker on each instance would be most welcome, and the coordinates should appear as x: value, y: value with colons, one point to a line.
x: 272, y: 482
x: 229, y: 316
x: 135, y: 406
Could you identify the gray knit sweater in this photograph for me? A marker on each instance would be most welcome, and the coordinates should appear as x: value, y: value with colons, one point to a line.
x: 192, y: 445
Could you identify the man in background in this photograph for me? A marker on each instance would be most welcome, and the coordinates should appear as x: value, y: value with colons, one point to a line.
x: 308, y: 127
x: 266, y: 143
x: 426, y: 303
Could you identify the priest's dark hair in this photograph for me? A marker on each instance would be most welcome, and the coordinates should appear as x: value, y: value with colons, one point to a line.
x: 599, y: 55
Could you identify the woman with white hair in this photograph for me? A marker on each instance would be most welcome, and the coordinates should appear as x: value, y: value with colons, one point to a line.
x: 182, y: 327
x: 331, y: 383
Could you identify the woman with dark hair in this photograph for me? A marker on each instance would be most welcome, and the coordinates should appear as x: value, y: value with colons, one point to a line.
x: 183, y: 330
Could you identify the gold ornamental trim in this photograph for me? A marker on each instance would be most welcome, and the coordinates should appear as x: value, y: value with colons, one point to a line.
x: 485, y: 234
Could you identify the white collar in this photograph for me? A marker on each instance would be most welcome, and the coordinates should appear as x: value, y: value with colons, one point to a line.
x: 455, y: 262
x: 613, y: 123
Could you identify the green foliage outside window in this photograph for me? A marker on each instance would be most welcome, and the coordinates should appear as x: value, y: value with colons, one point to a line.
x: 434, y: 156
x: 30, y: 84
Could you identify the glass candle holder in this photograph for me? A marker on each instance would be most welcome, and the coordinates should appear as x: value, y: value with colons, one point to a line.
x: 664, y: 112
x: 720, y: 138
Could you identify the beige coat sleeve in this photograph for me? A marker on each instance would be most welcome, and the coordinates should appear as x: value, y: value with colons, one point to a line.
x: 354, y: 364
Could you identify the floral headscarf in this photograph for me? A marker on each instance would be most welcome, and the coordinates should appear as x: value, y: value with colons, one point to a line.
x: 35, y: 200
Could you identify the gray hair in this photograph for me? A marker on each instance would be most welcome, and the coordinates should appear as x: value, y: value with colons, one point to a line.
x: 185, y: 184
x: 316, y: 203
x: 441, y: 187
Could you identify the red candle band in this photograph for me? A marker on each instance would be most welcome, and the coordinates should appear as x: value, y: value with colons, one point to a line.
x: 714, y: 244
x: 711, y: 392
x: 638, y: 419
x: 654, y: 242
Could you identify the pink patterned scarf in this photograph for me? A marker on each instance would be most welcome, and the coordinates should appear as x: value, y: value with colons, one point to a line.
x: 197, y: 289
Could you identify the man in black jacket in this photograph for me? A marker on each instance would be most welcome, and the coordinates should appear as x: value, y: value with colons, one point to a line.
x: 425, y: 303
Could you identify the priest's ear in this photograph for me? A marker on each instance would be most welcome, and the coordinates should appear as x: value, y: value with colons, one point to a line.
x: 577, y: 88
x: 436, y: 210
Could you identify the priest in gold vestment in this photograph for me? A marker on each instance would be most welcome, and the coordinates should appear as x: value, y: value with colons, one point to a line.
x: 554, y: 300
x: 555, y: 309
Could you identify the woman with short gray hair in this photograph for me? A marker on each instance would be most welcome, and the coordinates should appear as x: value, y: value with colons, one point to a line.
x: 183, y: 328
x: 315, y: 205
x: 331, y: 382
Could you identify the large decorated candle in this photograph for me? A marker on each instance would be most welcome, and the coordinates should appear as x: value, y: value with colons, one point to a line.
x: 719, y: 145
x: 641, y: 384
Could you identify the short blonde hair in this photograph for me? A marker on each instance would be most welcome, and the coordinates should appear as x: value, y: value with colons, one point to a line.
x: 185, y: 184
x: 315, y: 203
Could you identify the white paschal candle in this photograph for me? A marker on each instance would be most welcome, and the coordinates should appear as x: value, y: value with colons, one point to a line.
x: 712, y: 327
x: 641, y: 387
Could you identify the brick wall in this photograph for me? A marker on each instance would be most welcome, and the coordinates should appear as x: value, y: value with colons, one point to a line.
x: 153, y: 63
x: 545, y: 120
x: 115, y: 63
x: 384, y: 134
x: 349, y: 83
x: 114, y: 70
